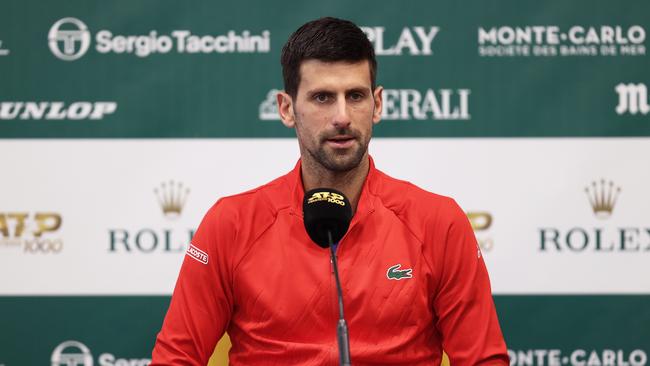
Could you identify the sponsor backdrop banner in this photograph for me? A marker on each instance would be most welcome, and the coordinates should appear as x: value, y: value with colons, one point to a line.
x: 79, y: 69
x: 121, y: 124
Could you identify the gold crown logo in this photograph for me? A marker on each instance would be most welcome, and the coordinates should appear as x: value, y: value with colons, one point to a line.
x: 171, y: 197
x: 602, y: 197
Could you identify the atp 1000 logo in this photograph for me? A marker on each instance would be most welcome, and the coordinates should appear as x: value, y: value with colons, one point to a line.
x: 33, y: 232
x: 481, y: 222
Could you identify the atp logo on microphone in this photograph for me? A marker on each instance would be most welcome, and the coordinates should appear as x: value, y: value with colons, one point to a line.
x: 330, y: 197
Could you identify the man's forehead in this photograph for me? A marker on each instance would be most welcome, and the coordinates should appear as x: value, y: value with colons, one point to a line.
x: 334, y: 74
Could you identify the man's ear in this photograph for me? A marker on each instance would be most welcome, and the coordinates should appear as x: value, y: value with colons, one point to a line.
x: 379, y: 104
x: 285, y: 108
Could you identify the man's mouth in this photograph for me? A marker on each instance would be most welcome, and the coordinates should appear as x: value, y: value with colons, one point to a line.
x: 341, y: 141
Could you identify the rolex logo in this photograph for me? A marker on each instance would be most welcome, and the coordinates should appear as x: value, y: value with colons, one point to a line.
x: 602, y: 197
x: 172, y: 197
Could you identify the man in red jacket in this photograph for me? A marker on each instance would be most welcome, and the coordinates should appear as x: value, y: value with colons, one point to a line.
x: 414, y: 282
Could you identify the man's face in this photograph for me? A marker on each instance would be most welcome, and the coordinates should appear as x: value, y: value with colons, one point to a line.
x: 333, y: 112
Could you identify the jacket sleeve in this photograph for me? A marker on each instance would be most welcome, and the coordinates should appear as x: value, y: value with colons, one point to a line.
x: 465, y: 312
x: 202, y: 301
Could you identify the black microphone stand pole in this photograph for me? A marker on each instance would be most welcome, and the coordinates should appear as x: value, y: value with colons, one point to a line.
x: 342, y: 328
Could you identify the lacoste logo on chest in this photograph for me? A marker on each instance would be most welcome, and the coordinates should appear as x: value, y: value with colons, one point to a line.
x: 395, y: 273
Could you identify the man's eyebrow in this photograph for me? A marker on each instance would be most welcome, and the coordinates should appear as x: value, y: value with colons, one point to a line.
x: 318, y: 91
x: 359, y: 89
x: 363, y: 90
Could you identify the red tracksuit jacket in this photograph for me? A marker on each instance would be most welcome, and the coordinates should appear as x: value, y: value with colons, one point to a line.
x: 414, y: 283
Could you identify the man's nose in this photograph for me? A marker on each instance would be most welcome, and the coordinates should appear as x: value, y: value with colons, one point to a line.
x: 342, y: 114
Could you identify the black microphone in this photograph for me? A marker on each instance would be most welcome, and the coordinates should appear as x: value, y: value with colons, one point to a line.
x: 327, y: 215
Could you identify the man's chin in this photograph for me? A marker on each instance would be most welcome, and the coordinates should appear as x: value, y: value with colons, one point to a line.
x: 342, y: 160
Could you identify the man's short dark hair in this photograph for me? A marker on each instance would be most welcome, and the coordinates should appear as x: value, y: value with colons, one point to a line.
x: 325, y: 39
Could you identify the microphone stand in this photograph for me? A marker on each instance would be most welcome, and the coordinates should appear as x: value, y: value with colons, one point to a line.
x: 342, y: 328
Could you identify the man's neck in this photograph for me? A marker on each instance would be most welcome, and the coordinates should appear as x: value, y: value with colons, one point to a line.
x: 350, y: 183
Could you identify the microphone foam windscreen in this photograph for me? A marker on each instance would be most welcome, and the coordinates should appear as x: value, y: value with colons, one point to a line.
x: 326, y: 209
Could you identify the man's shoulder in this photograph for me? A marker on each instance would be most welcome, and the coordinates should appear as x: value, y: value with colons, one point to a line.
x: 401, y: 195
x: 265, y: 200
x: 415, y: 206
x: 234, y: 222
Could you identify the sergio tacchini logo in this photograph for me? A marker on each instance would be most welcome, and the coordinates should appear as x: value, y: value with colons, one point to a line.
x: 74, y: 35
x: 394, y: 273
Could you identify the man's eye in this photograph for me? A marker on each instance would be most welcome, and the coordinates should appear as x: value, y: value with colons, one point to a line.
x: 321, y: 98
x: 356, y: 96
